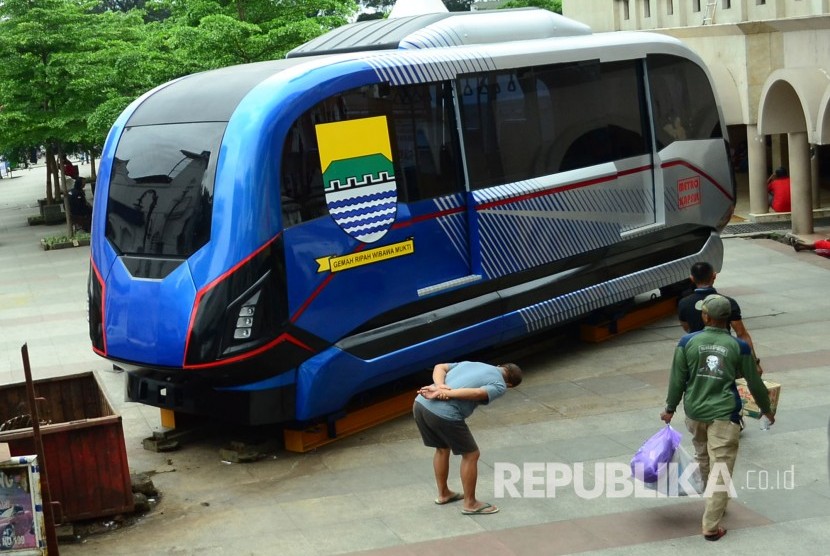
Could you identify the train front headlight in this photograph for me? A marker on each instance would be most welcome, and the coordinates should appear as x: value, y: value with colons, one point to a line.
x: 245, y: 321
x: 244, y: 310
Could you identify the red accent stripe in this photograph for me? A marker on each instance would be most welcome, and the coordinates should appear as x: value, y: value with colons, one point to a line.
x: 103, y: 304
x: 484, y: 206
x: 430, y: 216
x: 361, y: 247
x: 284, y: 337
x: 201, y: 293
x: 702, y: 173
x: 320, y: 288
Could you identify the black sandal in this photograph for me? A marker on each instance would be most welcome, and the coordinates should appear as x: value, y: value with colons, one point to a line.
x: 796, y: 244
x: 715, y: 536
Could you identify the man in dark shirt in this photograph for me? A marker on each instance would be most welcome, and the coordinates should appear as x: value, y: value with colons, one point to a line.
x: 79, y: 209
x: 703, y: 277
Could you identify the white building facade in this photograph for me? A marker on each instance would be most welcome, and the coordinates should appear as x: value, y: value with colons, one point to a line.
x: 770, y: 61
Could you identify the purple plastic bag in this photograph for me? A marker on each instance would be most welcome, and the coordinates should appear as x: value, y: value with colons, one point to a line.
x: 654, y: 454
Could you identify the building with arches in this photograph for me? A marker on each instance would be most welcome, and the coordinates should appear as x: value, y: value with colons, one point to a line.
x: 770, y: 61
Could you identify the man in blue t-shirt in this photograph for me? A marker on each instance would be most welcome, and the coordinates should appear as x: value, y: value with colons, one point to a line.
x: 440, y: 410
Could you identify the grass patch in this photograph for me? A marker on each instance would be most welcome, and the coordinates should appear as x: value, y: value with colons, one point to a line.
x: 51, y: 242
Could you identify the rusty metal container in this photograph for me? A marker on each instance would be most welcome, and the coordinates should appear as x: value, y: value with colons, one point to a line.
x: 83, y: 444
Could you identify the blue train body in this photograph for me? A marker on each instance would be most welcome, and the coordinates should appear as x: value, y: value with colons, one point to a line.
x: 271, y: 239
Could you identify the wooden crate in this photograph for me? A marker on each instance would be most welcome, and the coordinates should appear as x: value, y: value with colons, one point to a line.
x: 83, y: 444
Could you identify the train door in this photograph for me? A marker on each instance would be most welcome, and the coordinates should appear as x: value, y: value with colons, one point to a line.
x: 433, y: 205
x: 692, y: 159
x: 373, y: 212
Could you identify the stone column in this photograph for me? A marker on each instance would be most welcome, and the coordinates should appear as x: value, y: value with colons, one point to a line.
x: 776, y: 151
x: 800, y: 183
x: 756, y: 154
x: 815, y: 177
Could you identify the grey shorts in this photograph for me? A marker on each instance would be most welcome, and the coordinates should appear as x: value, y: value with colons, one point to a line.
x: 443, y: 433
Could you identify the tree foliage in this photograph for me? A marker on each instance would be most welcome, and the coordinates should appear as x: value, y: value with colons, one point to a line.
x: 550, y: 5
x: 385, y: 6
x: 70, y: 67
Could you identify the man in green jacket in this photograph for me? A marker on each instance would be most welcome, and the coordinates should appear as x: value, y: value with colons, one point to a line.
x: 703, y: 373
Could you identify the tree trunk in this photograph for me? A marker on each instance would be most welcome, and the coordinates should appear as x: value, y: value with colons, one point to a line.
x: 49, y: 158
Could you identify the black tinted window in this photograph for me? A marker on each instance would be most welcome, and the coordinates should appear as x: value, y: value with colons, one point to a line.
x: 530, y: 122
x: 421, y: 134
x: 161, y: 189
x: 682, y: 100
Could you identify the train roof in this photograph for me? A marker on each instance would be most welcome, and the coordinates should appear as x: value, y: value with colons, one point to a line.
x: 209, y: 96
x: 441, y: 30
x: 214, y: 95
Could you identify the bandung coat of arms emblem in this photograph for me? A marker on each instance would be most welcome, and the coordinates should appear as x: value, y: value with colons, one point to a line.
x: 358, y: 176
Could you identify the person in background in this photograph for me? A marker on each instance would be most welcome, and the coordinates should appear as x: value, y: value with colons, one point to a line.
x: 440, y: 411
x: 80, y: 210
x: 820, y: 246
x: 703, y: 276
x: 703, y: 374
x: 69, y: 169
x: 778, y: 187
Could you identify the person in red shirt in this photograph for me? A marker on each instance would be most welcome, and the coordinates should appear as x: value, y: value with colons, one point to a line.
x: 820, y: 246
x: 778, y: 186
x: 69, y: 169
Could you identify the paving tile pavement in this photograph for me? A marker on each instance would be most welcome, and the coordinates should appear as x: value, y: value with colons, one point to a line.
x: 588, y: 404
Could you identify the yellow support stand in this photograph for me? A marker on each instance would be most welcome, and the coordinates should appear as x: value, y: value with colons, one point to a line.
x: 304, y: 440
x: 638, y: 317
x: 168, y: 418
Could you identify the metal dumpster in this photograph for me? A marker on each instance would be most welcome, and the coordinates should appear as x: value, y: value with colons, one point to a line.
x: 83, y: 444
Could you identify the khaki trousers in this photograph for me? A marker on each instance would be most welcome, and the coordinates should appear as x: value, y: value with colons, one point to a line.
x: 714, y: 442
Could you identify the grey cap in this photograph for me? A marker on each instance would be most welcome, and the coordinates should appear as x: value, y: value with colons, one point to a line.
x: 716, y: 306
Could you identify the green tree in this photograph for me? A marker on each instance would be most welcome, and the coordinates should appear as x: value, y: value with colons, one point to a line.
x: 62, y: 64
x: 36, y: 37
x: 385, y: 6
x: 70, y: 67
x: 550, y: 5
x: 207, y: 34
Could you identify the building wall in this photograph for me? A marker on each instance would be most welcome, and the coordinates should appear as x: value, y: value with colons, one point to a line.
x: 628, y: 15
x: 747, y: 38
x: 770, y: 64
x: 600, y: 15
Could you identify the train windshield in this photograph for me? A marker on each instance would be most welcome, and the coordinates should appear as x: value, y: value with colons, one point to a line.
x: 161, y: 190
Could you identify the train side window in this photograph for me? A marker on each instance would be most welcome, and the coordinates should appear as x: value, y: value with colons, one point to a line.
x: 504, y: 121
x: 600, y: 111
x: 424, y: 140
x: 683, y: 103
x: 421, y: 132
x: 625, y: 108
x: 580, y: 106
x: 301, y: 187
x: 301, y: 191
x: 530, y: 122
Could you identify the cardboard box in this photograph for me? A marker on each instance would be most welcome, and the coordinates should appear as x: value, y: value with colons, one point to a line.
x: 750, y: 408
